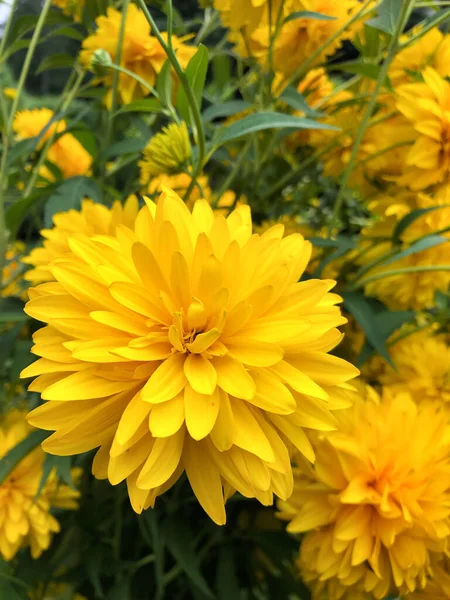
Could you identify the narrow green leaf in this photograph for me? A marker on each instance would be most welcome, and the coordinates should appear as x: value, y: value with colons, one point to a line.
x: 308, y: 14
x: 221, y: 67
x: 56, y: 61
x: 423, y: 244
x: 11, y: 311
x: 164, y: 84
x: 69, y: 32
x: 151, y: 105
x: 265, y: 120
x: 10, y: 460
x: 18, y: 211
x: 227, y: 580
x: 295, y: 100
x: 179, y: 542
x: 364, y: 314
x: 358, y: 67
x: 196, y: 76
x: 387, y: 322
x: 227, y: 109
x: 125, y: 147
x: 388, y: 16
x: 410, y: 218
x: 7, y: 341
x: 20, y: 149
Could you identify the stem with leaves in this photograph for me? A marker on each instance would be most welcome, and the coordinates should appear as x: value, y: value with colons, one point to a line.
x: 195, y: 109
x: 7, y: 134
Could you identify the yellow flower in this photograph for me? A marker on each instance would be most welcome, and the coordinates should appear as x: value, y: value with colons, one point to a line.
x: 438, y: 588
x: 179, y: 183
x: 92, y: 219
x: 26, y: 519
x: 141, y: 53
x: 247, y: 14
x: 166, y: 151
x: 72, y: 8
x: 426, y: 106
x: 10, y: 281
x: 10, y: 92
x: 376, y: 502
x: 430, y: 50
x: 187, y: 344
x: 66, y: 152
x: 316, y: 86
x: 55, y: 591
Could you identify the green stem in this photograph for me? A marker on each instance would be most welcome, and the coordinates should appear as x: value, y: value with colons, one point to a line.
x: 145, y: 84
x: 9, y: 126
x: 391, y: 51
x: 404, y: 271
x: 195, y: 109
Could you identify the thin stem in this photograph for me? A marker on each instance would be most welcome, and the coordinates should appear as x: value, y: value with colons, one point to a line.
x: 391, y: 51
x: 195, y: 109
x: 404, y: 271
x: 150, y: 88
x: 9, y: 126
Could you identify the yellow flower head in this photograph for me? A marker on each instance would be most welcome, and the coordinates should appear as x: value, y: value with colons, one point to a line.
x: 10, y: 93
x: 376, y: 502
x: 66, y: 152
x: 179, y: 183
x: 72, y: 8
x: 438, y: 588
x: 10, y: 280
x: 247, y: 14
x: 187, y: 344
x: 92, y: 219
x: 141, y: 52
x: 316, y: 86
x: 167, y: 151
x: 25, y: 517
x: 427, y: 108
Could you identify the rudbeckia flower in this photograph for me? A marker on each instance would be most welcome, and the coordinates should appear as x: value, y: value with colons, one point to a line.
x: 187, y: 344
x: 167, y: 151
x: 375, y: 507
x: 25, y: 517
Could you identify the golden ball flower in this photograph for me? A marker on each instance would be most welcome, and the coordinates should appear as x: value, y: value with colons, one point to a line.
x: 166, y: 151
x: 375, y: 506
x: 25, y: 517
x: 92, y: 219
x: 187, y: 344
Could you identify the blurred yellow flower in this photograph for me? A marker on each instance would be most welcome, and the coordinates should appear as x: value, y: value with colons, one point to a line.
x: 188, y: 344
x: 25, y: 516
x: 11, y: 279
x: 166, y: 151
x: 375, y: 505
x: 426, y: 106
x: 32, y: 122
x: 92, y: 219
x: 245, y: 15
x: 141, y: 53
x: 179, y: 183
x: 72, y: 8
x: 10, y: 92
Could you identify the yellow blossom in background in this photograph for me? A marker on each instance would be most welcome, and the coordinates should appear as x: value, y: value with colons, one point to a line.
x: 179, y: 183
x: 66, y: 153
x: 10, y: 281
x: 141, y: 53
x: 166, y: 151
x: 245, y: 15
x: 25, y: 517
x: 55, y: 591
x: 10, y: 92
x: 316, y: 86
x: 187, y: 344
x: 375, y: 506
x: 72, y: 8
x: 92, y: 219
x: 426, y: 107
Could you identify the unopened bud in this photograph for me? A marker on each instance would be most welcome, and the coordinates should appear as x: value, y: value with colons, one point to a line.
x: 100, y: 62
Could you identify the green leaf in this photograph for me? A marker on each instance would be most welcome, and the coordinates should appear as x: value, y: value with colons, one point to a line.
x: 151, y: 105
x: 120, y: 591
x: 68, y: 195
x: 196, y: 76
x: 11, y: 311
x: 388, y: 16
x: 56, y: 61
x: 423, y: 244
x: 164, y: 84
x: 308, y: 14
x: 410, y: 218
x: 156, y: 541
x: 7, y: 341
x: 69, y: 32
x: 179, y: 538
x: 265, y: 120
x: 20, y: 149
x: 216, y: 111
x: 387, y: 322
x: 221, y: 67
x: 227, y: 580
x: 358, y: 67
x: 18, y: 211
x: 337, y: 242
x: 125, y: 147
x: 363, y: 312
x: 295, y: 100
x: 10, y: 460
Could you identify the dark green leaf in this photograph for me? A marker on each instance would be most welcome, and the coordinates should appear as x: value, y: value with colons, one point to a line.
x: 358, y: 67
x: 388, y: 322
x: 216, y: 111
x: 125, y: 147
x: 11, y: 311
x: 308, y: 14
x: 157, y: 544
x: 388, y: 16
x: 10, y: 460
x: 93, y: 561
x: 120, y: 591
x: 151, y: 105
x: 423, y: 244
x: 295, y: 100
x: 179, y: 542
x: 196, y: 76
x: 221, y: 67
x: 16, y: 46
x: 18, y: 211
x: 69, y: 32
x: 265, y: 120
x: 21, y: 149
x: 7, y: 340
x: 56, y: 61
x: 69, y: 195
x: 164, y: 84
x: 364, y: 314
x: 337, y: 242
x: 409, y: 219
x: 227, y: 580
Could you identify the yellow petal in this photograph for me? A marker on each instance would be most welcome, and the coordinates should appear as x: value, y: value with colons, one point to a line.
x: 167, y: 418
x: 249, y: 434
x: 200, y: 373
x: 167, y: 381
x: 253, y: 352
x: 162, y: 462
x: 294, y: 434
x: 133, y: 416
x: 271, y: 394
x: 223, y: 432
x: 201, y: 412
x: 83, y: 386
x: 298, y: 380
x: 233, y: 378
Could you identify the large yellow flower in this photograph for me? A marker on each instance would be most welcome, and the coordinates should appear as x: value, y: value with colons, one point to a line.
x: 72, y: 8
x: 187, y: 345
x: 67, y: 153
x: 426, y: 106
x: 376, y: 504
x: 25, y: 518
x: 141, y: 53
x: 92, y: 219
x: 166, y: 151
